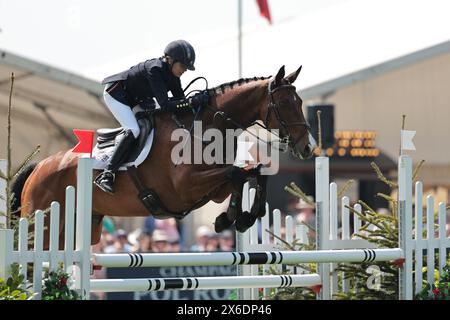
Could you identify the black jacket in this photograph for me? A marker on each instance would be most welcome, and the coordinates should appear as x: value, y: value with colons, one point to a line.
x: 147, y: 80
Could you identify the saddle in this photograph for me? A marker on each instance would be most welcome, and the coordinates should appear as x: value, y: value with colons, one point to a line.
x: 107, y: 138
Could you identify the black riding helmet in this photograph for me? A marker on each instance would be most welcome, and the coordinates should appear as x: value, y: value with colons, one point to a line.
x: 182, y: 51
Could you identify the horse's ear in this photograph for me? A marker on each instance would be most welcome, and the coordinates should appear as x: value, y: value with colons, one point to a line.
x: 279, y: 76
x: 293, y: 76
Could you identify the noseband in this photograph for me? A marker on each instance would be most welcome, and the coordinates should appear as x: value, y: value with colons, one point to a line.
x: 274, y: 107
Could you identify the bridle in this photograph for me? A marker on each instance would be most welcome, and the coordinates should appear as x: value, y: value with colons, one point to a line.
x: 274, y: 107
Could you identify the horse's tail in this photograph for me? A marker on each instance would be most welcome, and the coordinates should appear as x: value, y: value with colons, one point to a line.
x: 18, y: 184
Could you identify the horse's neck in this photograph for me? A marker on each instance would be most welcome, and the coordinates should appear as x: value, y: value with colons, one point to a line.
x: 247, y: 103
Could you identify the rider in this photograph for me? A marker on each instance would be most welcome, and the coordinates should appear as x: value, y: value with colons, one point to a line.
x: 131, y: 92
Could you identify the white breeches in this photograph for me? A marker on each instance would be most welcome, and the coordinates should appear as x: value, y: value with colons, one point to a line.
x: 122, y: 113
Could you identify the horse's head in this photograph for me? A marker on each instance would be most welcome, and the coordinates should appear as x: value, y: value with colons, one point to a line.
x: 285, y: 114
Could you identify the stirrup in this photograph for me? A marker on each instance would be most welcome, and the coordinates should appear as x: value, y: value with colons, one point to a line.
x: 98, y: 181
x: 105, y: 173
x: 108, y: 172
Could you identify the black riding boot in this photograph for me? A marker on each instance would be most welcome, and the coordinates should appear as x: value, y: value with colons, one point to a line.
x: 105, y: 180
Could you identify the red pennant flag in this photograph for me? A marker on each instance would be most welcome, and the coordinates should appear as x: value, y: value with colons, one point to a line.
x: 86, y: 141
x: 316, y: 288
x: 399, y: 262
x: 264, y: 9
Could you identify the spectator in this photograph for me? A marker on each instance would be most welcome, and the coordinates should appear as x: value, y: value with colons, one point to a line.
x: 160, y: 241
x: 108, y: 224
x: 175, y: 246
x: 202, y: 237
x: 292, y: 206
x: 213, y: 242
x: 149, y: 224
x: 283, y: 233
x: 169, y: 226
x: 133, y: 238
x: 120, y: 244
x: 107, y: 238
x: 306, y: 213
x: 226, y: 241
x: 144, y: 242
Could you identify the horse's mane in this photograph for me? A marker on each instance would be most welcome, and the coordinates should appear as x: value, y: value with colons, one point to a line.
x: 229, y: 85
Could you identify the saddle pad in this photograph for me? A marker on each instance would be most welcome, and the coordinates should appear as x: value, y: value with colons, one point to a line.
x: 101, y: 156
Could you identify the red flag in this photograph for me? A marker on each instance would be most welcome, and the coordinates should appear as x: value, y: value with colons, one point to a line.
x: 264, y: 9
x: 86, y: 141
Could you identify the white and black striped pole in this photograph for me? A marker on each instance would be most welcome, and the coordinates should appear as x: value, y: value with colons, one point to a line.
x: 137, y: 260
x: 204, y: 283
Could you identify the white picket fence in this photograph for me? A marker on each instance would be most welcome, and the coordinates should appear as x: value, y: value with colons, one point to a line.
x: 76, y: 261
x: 412, y: 239
x: 332, y: 248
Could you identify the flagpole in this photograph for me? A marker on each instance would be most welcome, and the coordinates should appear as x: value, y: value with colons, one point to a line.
x: 239, y: 236
x: 240, y: 38
x: 403, y: 128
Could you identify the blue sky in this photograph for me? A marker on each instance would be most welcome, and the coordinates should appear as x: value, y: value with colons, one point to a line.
x: 328, y: 37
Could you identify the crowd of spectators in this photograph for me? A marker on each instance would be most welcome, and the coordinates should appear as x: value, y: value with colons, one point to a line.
x: 162, y: 236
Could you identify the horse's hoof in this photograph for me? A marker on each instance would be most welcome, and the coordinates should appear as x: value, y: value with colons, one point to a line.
x: 222, y: 222
x: 244, y: 221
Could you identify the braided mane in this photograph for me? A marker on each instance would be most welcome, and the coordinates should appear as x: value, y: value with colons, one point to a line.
x: 229, y: 85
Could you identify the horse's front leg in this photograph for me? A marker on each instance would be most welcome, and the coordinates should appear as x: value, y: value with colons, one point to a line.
x: 260, y: 201
x: 226, y: 219
x: 192, y: 185
x: 258, y: 209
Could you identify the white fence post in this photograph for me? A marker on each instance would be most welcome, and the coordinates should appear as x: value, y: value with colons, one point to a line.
x: 405, y: 226
x: 23, y: 245
x: 242, y: 242
x: 333, y: 220
x: 38, y: 252
x: 3, y: 168
x: 84, y: 224
x: 418, y: 236
x: 6, y: 236
x: 69, y: 229
x: 442, y: 236
x: 6, y: 252
x: 345, y: 203
x: 323, y: 220
x: 430, y: 238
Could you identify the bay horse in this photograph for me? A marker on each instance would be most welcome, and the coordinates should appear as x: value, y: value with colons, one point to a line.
x: 182, y: 187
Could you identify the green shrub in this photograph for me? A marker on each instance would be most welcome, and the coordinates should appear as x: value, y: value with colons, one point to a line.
x: 15, y: 287
x: 56, y: 287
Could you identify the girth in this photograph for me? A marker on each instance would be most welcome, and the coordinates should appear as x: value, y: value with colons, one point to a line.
x: 153, y: 204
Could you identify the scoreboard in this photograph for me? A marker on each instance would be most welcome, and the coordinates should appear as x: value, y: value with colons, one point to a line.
x: 356, y: 144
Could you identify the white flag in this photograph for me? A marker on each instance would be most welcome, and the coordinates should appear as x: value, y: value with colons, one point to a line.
x: 407, y: 140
